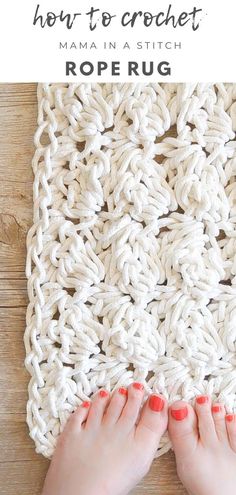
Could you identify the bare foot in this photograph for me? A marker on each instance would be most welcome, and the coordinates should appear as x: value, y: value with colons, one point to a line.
x: 204, y: 441
x: 107, y: 446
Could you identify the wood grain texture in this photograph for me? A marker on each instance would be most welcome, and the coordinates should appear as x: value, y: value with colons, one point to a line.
x: 21, y: 470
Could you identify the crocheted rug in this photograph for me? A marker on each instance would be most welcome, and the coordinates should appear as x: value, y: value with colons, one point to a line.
x: 131, y: 258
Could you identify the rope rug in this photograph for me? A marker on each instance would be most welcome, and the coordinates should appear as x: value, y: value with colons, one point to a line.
x: 131, y: 259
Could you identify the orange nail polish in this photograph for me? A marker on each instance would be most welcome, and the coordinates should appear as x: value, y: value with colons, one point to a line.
x: 86, y: 404
x: 123, y: 391
x: 156, y: 403
x: 103, y: 393
x: 202, y: 399
x: 179, y: 414
x: 230, y: 417
x: 216, y: 409
x: 138, y: 386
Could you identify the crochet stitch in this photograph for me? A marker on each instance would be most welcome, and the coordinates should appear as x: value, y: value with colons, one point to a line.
x: 131, y: 259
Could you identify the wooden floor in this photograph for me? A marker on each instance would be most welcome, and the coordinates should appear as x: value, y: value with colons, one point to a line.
x: 21, y: 470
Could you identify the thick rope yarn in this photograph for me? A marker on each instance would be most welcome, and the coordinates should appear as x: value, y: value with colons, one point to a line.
x: 131, y: 260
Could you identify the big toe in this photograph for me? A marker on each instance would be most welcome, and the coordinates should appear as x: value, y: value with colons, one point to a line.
x: 153, y: 421
x: 231, y: 429
x: 182, y: 428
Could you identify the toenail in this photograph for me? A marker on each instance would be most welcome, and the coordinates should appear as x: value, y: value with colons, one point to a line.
x: 156, y: 403
x: 103, y: 393
x: 123, y: 391
x: 202, y: 399
x: 216, y: 409
x: 138, y: 386
x: 179, y: 414
x: 230, y: 417
x: 86, y: 404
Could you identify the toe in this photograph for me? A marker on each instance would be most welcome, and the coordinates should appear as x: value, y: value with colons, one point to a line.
x: 79, y: 416
x: 81, y: 413
x: 218, y: 413
x: 206, y: 425
x: 153, y: 421
x: 231, y: 429
x: 131, y: 410
x: 97, y: 409
x: 75, y: 422
x: 182, y: 429
x: 116, y: 406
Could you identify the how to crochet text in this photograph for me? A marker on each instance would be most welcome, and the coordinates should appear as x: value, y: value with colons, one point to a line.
x: 129, y: 19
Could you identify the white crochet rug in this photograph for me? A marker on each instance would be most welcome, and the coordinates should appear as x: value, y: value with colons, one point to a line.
x: 132, y: 254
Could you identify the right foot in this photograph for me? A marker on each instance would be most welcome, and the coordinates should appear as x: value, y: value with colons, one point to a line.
x: 107, y: 445
x: 204, y: 442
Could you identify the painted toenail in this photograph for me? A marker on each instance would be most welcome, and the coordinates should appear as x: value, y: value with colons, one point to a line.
x: 138, y: 386
x: 230, y: 417
x: 156, y: 403
x: 216, y: 409
x: 179, y: 414
x: 86, y: 404
x: 103, y: 393
x: 202, y: 399
x: 123, y: 391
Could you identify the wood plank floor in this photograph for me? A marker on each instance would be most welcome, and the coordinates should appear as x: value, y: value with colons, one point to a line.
x: 21, y: 470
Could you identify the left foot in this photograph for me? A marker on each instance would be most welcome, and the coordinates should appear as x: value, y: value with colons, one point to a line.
x: 107, y: 445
